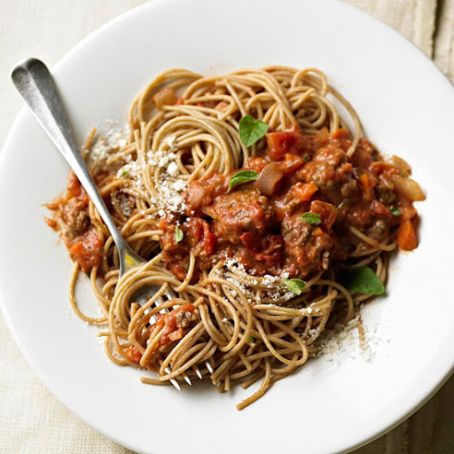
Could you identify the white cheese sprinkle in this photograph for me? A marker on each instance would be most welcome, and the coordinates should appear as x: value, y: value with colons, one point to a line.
x: 170, y: 187
x: 113, y: 137
x: 172, y: 169
x: 170, y: 141
x: 271, y: 286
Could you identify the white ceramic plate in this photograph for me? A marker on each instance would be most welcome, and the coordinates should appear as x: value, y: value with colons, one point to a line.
x: 407, y: 107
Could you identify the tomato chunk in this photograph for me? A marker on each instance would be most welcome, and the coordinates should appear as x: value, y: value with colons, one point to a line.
x: 87, y: 251
x: 282, y: 142
x: 326, y: 210
x: 175, y: 324
x: 133, y: 354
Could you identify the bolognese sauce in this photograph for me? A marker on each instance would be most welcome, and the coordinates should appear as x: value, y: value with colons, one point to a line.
x: 264, y: 224
x: 72, y: 221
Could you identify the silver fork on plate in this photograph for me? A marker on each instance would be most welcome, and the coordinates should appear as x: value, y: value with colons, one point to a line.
x: 37, y: 86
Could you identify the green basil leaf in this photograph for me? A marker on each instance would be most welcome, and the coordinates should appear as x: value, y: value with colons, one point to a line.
x: 178, y: 234
x: 241, y: 177
x: 124, y: 173
x: 251, y: 339
x: 251, y: 130
x: 311, y: 218
x: 364, y: 280
x: 295, y: 285
x: 395, y: 211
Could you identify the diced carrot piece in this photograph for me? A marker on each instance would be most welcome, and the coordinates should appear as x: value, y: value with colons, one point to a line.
x: 87, y: 250
x: 291, y: 163
x: 368, y: 183
x: 406, y: 236
x: 51, y: 223
x: 304, y: 191
x: 54, y: 205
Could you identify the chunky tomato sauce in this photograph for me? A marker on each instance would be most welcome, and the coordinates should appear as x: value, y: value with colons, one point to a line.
x: 73, y: 223
x: 169, y: 327
x: 264, y: 223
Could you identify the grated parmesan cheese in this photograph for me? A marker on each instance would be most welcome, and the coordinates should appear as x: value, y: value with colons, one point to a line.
x: 173, y: 169
x: 345, y: 341
x: 114, y: 137
x: 170, y: 141
x: 271, y: 286
x: 171, y: 186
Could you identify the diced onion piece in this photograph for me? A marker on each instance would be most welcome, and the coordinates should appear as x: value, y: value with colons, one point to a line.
x: 165, y: 97
x: 269, y: 178
x: 408, y: 188
x: 403, y: 166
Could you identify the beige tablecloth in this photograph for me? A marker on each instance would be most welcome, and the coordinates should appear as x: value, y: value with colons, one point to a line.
x: 31, y: 420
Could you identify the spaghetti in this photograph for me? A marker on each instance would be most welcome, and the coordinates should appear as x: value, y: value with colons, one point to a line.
x: 265, y: 218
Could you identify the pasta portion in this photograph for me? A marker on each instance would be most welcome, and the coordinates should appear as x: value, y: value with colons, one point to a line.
x: 265, y: 218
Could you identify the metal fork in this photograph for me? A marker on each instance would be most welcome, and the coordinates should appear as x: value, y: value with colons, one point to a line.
x: 35, y: 83
x: 37, y: 86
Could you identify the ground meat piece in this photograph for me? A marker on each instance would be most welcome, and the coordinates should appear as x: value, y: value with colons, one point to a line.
x: 305, y: 246
x: 379, y: 230
x: 332, y: 155
x: 76, y: 218
x: 359, y: 216
x: 295, y: 230
x: 123, y: 203
x: 263, y: 254
x: 350, y: 189
x: 321, y: 173
x: 240, y: 212
x: 385, y: 190
x: 184, y: 319
x: 364, y: 154
x: 328, y: 170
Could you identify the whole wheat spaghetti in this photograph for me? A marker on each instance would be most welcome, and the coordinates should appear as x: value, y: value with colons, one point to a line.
x: 265, y: 215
